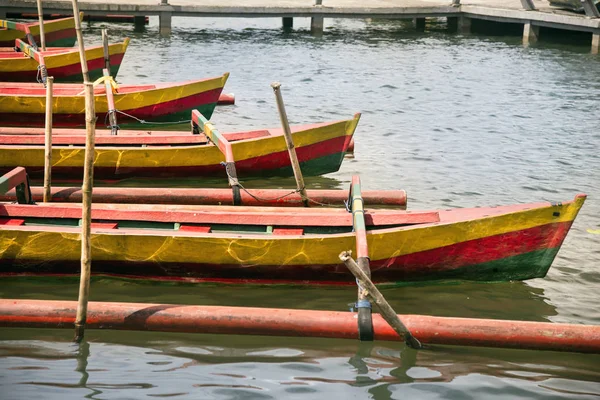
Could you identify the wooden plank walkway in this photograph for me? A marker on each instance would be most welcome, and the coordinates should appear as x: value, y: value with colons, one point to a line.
x: 507, y: 11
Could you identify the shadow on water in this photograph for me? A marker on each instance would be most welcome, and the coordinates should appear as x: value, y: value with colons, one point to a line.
x: 510, y: 300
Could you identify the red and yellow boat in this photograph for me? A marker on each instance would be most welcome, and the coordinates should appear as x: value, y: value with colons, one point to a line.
x: 58, y: 32
x: 320, y: 149
x: 23, y: 104
x: 282, y: 245
x: 21, y: 63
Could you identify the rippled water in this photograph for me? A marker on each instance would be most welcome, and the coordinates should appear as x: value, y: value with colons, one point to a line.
x: 455, y: 120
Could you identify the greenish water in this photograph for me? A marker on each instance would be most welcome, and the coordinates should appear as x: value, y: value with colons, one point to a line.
x: 457, y: 121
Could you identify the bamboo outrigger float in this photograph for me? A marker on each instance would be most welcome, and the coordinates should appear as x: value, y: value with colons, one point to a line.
x: 284, y: 245
x: 21, y: 62
x: 320, y: 148
x: 300, y: 323
x: 22, y: 104
x: 58, y: 32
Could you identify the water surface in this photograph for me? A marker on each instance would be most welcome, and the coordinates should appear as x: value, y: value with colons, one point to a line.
x: 457, y: 121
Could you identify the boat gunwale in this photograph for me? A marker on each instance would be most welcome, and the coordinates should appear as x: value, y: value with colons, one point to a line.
x: 188, y: 139
x: 460, y: 215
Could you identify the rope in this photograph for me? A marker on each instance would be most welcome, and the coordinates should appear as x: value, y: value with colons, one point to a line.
x: 107, y: 123
x: 230, y: 178
x: 266, y: 199
x: 143, y: 121
x: 42, y: 74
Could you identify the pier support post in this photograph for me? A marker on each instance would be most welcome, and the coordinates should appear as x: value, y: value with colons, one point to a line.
x: 595, y: 43
x: 530, y: 33
x: 463, y: 25
x: 164, y: 20
x: 316, y: 26
x: 316, y: 23
x: 452, y: 24
x: 139, y: 23
x: 419, y: 24
x: 288, y: 23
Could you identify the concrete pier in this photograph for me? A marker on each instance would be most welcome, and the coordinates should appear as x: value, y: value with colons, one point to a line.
x: 530, y: 34
x: 463, y: 25
x: 596, y: 43
x: 506, y: 11
x: 287, y: 22
x: 139, y: 22
x: 420, y: 24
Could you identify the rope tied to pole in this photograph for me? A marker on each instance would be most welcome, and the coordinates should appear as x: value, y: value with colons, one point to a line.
x: 264, y: 199
x: 42, y: 74
x: 373, y: 294
x: 143, y: 121
x: 107, y: 120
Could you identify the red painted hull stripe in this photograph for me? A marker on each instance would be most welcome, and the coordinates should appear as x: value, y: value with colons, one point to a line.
x: 251, y: 166
x: 62, y: 72
x: 479, y: 251
x: 424, y: 263
x: 50, y: 37
x: 149, y: 113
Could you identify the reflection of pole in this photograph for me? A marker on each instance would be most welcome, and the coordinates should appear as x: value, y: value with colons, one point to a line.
x: 290, y: 142
x: 83, y: 353
x: 357, y: 360
x: 41, y: 19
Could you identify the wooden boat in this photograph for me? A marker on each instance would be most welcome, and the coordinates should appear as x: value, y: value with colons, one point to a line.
x: 23, y: 104
x: 282, y: 245
x: 86, y: 17
x: 58, y: 32
x: 320, y: 149
x: 20, y: 63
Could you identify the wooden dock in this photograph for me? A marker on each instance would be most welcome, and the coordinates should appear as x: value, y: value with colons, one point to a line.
x: 533, y: 14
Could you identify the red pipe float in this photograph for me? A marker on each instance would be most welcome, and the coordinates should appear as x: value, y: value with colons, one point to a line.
x: 285, y: 322
x: 262, y: 197
x: 226, y: 99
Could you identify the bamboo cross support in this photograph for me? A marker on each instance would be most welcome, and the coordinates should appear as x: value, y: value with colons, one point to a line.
x: 220, y: 141
x: 112, y: 111
x: 110, y: 99
x: 48, y: 141
x: 290, y: 143
x: 365, y: 320
x: 373, y: 294
x: 41, y: 19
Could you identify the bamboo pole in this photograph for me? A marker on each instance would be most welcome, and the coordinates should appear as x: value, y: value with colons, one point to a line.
x: 386, y: 311
x: 48, y: 141
x: 105, y: 46
x: 84, y: 67
x: 86, y: 248
x: 88, y: 171
x: 290, y: 143
x: 41, y: 19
